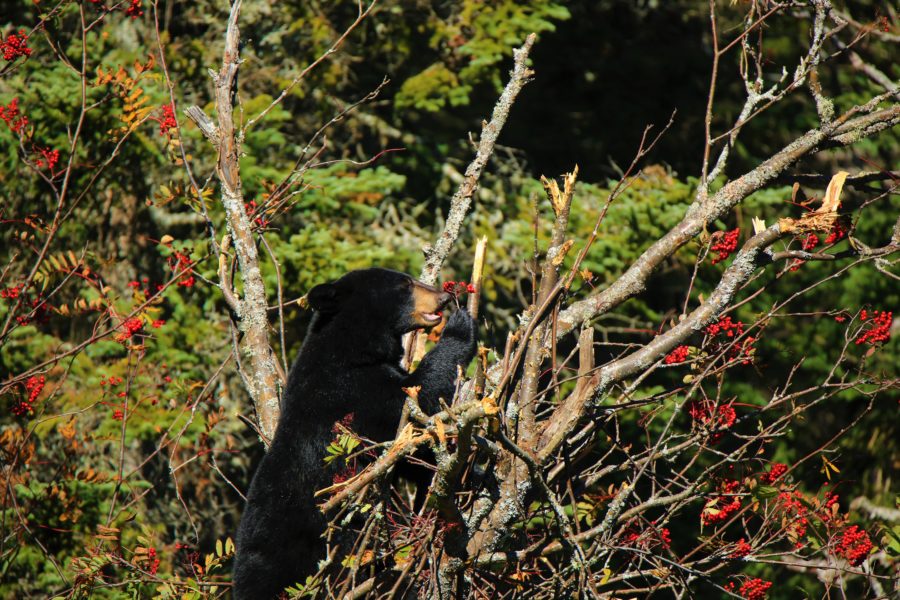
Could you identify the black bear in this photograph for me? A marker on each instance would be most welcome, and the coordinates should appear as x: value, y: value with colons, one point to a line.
x: 349, y: 363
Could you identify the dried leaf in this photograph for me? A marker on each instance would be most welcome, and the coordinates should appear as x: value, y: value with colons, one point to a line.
x: 107, y: 530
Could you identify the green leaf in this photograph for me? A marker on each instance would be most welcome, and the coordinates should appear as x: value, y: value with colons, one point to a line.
x: 765, y: 491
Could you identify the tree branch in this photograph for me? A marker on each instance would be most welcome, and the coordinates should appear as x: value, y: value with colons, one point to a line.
x: 260, y: 360
x: 701, y: 215
x: 459, y: 205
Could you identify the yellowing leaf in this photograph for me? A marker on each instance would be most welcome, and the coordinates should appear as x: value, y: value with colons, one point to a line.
x: 130, y: 99
x: 827, y: 467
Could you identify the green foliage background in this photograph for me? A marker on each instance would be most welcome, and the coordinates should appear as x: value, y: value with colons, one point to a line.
x: 604, y: 70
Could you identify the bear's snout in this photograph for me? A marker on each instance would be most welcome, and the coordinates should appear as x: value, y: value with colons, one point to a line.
x: 427, y: 304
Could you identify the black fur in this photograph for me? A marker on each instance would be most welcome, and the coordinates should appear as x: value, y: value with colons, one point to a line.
x: 349, y: 362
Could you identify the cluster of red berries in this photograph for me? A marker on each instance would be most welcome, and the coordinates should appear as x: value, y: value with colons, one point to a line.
x: 40, y: 311
x: 741, y: 549
x: 34, y: 386
x: 47, y: 157
x: 665, y: 536
x: 11, y: 292
x: 152, y: 561
x: 720, y: 508
x: 755, y: 589
x: 837, y: 233
x: 791, y: 501
x: 720, y: 416
x: 179, y: 262
x: 11, y: 115
x: 167, y: 122
x: 129, y: 328
x: 811, y: 241
x: 113, y: 381
x: 459, y: 287
x: 16, y: 121
x: 132, y: 326
x: 714, y: 513
x: 724, y: 243
x: 826, y: 511
x: 728, y: 328
x: 134, y: 9
x: 854, y: 545
x: 15, y: 46
x: 879, y: 327
x: 775, y: 472
x: 676, y: 356
x: 648, y: 538
x: 725, y: 326
x: 793, y: 506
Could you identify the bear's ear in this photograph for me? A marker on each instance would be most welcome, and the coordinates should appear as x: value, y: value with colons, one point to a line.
x: 324, y: 298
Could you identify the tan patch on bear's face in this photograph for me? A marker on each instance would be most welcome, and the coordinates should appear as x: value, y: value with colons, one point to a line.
x: 427, y: 304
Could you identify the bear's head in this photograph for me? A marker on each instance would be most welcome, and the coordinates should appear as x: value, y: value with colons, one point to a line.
x: 380, y: 295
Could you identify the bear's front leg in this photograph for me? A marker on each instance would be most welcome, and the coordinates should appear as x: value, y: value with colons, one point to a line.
x: 437, y: 372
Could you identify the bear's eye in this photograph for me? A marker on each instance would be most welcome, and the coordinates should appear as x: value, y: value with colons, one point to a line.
x: 405, y: 284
